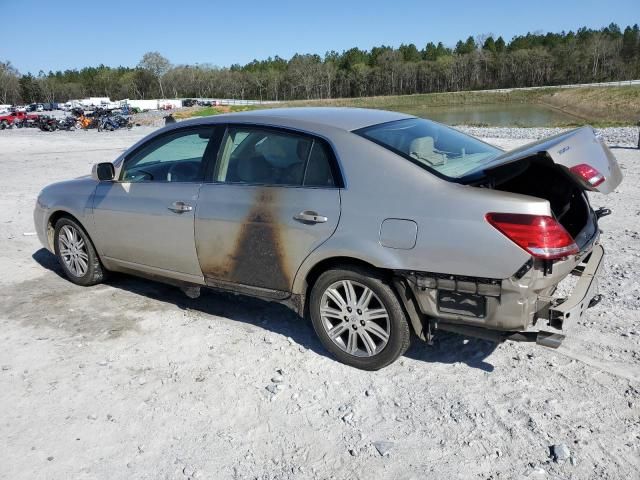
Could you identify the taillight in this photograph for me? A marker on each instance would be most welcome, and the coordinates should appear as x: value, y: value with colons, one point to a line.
x: 589, y: 174
x: 540, y: 235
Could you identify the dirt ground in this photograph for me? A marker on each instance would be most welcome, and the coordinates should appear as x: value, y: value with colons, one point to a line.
x: 131, y: 379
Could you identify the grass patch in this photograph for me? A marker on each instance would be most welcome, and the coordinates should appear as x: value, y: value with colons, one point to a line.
x: 431, y: 99
x: 208, y: 111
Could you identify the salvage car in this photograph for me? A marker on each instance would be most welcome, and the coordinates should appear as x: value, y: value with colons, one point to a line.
x: 371, y: 223
x: 17, y: 118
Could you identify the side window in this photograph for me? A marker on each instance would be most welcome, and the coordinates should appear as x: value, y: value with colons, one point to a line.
x: 271, y: 157
x: 175, y: 157
x: 318, y: 172
x: 254, y: 155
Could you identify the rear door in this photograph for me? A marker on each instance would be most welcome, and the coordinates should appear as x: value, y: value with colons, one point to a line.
x: 272, y: 199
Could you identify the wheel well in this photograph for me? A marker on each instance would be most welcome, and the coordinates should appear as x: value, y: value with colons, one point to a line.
x: 335, y: 262
x: 404, y: 297
x: 51, y: 224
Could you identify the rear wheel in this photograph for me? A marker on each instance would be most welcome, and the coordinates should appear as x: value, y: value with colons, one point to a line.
x: 76, y: 254
x: 358, y: 318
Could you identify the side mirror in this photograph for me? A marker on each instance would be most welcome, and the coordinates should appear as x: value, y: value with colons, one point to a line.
x: 104, y: 172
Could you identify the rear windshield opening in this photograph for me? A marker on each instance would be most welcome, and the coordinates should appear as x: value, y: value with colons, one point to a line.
x: 435, y: 147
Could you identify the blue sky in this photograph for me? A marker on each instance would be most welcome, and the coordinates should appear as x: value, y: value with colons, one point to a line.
x: 76, y: 33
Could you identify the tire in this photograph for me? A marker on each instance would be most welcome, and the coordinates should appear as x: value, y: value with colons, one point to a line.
x: 3, y: 125
x: 76, y: 240
x: 334, y: 312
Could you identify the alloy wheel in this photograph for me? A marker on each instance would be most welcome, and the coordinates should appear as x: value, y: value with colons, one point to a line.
x: 354, y: 318
x: 73, y: 251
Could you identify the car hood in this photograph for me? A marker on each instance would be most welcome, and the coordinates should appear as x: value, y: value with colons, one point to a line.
x: 570, y: 149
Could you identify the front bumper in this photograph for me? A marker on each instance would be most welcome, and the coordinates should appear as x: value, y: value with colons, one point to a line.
x: 40, y: 221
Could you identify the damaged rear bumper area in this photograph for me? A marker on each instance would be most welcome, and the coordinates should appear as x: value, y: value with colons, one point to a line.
x: 519, y: 309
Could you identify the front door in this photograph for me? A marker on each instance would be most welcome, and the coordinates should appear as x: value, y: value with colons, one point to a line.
x: 273, y: 199
x: 145, y: 220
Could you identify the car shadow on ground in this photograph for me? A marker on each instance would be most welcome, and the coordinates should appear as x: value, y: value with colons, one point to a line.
x: 274, y: 317
x: 453, y: 348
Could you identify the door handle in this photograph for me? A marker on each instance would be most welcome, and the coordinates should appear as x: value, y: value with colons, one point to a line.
x: 180, y: 207
x: 309, y: 216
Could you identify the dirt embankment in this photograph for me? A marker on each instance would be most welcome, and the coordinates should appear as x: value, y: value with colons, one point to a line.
x: 610, y: 104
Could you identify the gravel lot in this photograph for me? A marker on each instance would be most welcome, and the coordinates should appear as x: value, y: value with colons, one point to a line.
x: 131, y: 379
x: 614, y: 136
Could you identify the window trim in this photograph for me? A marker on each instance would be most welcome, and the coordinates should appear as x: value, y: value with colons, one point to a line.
x: 334, y: 164
x: 209, y: 151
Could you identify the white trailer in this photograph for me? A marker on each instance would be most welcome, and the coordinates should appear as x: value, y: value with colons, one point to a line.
x: 96, y: 101
x: 141, y: 104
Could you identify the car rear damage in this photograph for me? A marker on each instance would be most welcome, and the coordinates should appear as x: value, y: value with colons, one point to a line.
x: 524, y: 306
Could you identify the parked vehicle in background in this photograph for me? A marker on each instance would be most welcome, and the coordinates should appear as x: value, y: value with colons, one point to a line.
x: 67, y: 123
x: 107, y: 122
x: 370, y: 222
x: 47, y: 123
x: 189, y: 102
x: 16, y: 118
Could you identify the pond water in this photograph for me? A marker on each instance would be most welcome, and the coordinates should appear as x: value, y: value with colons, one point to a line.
x: 498, y: 115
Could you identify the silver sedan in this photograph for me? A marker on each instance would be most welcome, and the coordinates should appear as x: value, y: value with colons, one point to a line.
x: 370, y: 223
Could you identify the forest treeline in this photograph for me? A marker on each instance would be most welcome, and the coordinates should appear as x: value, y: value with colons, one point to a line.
x: 484, y: 62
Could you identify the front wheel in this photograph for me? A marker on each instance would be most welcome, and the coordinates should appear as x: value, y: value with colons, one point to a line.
x: 76, y: 254
x: 358, y: 318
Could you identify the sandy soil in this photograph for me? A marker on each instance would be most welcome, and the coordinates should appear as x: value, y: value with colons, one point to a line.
x: 131, y: 379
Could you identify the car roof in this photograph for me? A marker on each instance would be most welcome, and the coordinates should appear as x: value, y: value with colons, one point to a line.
x: 345, y: 118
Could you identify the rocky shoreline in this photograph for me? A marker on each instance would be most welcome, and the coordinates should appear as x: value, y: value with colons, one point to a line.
x: 614, y: 136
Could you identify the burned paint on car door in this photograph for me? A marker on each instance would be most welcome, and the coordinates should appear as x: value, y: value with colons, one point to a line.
x: 248, y: 234
x: 273, y: 200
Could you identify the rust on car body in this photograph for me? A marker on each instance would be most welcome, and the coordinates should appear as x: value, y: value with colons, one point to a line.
x: 256, y: 257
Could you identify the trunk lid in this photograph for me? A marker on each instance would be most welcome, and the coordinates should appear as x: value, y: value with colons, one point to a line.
x: 574, y: 149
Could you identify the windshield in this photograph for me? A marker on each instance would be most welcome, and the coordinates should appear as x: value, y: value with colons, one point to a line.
x: 432, y: 146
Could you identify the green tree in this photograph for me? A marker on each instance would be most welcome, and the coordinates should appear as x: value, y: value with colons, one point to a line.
x: 29, y: 89
x: 465, y: 47
x: 410, y: 53
x: 489, y: 45
x: 630, y: 42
